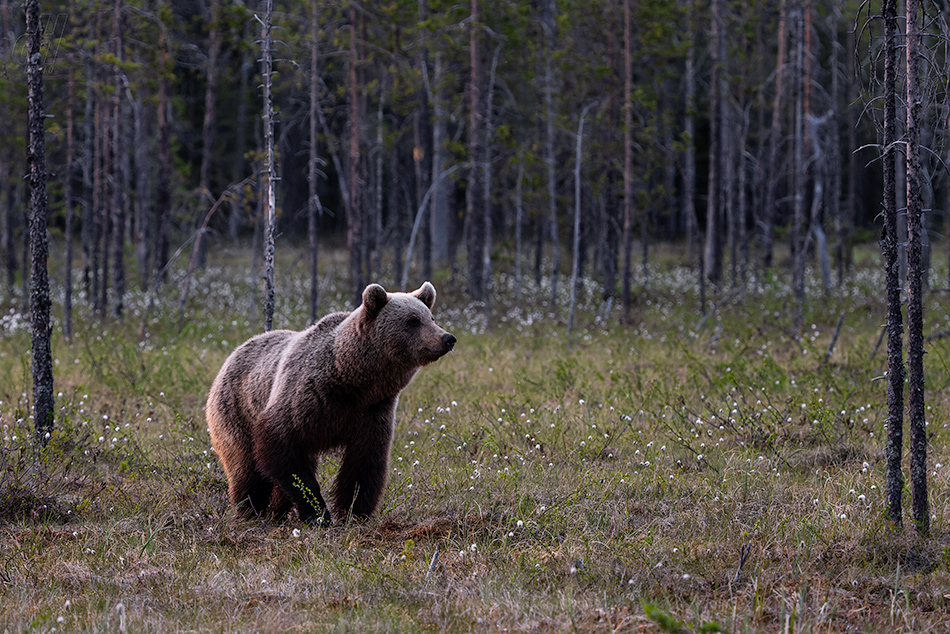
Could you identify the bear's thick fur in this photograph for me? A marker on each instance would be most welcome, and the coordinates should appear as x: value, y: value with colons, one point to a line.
x: 284, y: 397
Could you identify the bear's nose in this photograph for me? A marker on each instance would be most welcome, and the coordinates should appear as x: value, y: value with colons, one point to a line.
x: 448, y: 340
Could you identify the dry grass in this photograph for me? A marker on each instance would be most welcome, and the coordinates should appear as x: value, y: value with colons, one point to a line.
x: 638, y: 478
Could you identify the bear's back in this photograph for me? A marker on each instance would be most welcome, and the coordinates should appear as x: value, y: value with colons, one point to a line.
x: 244, y: 382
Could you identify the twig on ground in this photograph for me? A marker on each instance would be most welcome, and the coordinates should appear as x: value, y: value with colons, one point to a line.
x: 743, y: 557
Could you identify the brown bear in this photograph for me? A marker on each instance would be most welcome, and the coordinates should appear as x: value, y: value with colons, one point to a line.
x: 284, y: 397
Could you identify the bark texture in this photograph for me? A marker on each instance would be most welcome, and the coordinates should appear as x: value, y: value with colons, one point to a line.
x: 39, y: 277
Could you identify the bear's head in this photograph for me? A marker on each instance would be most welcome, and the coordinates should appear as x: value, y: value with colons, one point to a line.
x: 402, y: 327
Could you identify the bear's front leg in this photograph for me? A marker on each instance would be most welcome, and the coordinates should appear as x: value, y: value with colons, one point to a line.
x: 292, y: 470
x: 362, y: 477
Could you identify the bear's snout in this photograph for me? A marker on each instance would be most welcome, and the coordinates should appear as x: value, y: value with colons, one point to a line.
x: 448, y: 340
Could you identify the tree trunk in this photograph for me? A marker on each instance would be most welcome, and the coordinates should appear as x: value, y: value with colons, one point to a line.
x: 742, y: 198
x: 118, y: 179
x: 88, y: 184
x: 355, y: 238
x: 474, y: 203
x: 576, y: 248
x: 834, y: 152
x: 69, y: 202
x: 915, y: 311
x: 163, y: 185
x: 144, y: 223
x: 374, y: 234
x: 313, y: 201
x: 238, y: 210
x: 519, y: 221
x: 714, y: 213
x: 548, y: 24
x: 797, y: 237
x: 440, y: 221
x: 43, y: 400
x: 421, y: 152
x: 894, y: 478
x: 485, y: 255
x: 207, y: 129
x: 270, y: 171
x: 98, y: 214
x: 852, y: 202
x: 7, y: 218
x: 625, y: 296
x: 689, y: 134
x: 773, y: 169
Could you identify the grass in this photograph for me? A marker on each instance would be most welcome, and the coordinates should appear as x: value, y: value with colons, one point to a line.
x: 670, y: 474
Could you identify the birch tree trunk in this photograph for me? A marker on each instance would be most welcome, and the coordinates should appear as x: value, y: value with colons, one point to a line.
x: 576, y: 248
x: 270, y: 173
x: 43, y: 400
x: 915, y: 311
x: 893, y: 476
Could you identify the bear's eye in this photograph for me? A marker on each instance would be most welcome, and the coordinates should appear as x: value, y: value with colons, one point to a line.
x: 414, y: 322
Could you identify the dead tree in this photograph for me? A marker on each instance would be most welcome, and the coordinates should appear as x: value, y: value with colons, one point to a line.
x: 39, y: 276
x: 915, y: 312
x: 270, y: 215
x: 893, y: 476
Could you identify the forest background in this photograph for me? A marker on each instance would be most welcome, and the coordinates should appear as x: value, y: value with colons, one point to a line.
x: 674, y: 159
x: 433, y: 131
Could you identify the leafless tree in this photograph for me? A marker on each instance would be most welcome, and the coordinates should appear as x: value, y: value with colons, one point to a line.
x: 894, y: 478
x: 43, y: 400
x: 270, y: 171
x: 915, y: 311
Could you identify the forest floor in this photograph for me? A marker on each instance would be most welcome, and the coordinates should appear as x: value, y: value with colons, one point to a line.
x: 668, y: 472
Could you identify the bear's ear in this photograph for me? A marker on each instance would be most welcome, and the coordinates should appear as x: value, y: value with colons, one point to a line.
x: 426, y: 294
x: 374, y: 298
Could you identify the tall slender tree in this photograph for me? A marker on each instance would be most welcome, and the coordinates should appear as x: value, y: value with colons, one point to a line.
x: 915, y: 311
x: 714, y: 206
x: 208, y: 124
x: 576, y: 243
x: 118, y: 163
x: 894, y: 478
x: 270, y: 171
x: 474, y: 203
x: 355, y: 239
x: 69, y: 203
x: 548, y: 24
x: 43, y: 400
x: 625, y: 294
x: 313, y: 201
